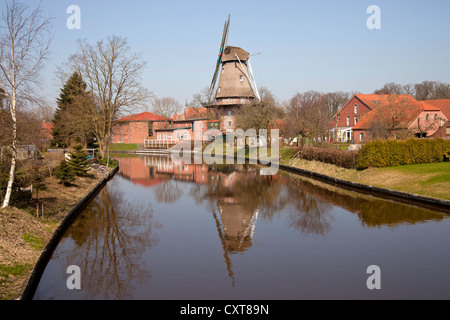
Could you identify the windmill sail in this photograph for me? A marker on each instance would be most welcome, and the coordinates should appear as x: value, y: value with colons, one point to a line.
x: 223, y: 43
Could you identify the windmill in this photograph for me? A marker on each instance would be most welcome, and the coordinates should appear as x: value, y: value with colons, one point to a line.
x: 236, y: 81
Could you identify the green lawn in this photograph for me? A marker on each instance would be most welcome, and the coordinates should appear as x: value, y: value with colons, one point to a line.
x: 123, y: 146
x: 429, y: 179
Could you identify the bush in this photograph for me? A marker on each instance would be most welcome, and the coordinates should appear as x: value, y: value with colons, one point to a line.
x: 389, y: 153
x: 342, y: 158
x: 64, y: 173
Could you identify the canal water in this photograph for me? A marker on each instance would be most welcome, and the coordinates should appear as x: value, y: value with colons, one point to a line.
x: 163, y: 229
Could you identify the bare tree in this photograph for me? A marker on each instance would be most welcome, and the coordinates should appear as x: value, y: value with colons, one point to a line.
x: 112, y: 75
x: 202, y: 99
x: 260, y: 113
x: 390, y: 117
x: 336, y: 100
x: 166, y: 107
x: 24, y: 44
x: 312, y: 112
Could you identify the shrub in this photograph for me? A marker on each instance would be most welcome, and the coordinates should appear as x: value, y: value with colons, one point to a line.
x: 389, y: 153
x: 341, y: 158
x: 64, y: 173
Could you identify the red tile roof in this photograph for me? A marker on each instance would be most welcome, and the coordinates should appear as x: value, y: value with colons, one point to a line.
x: 195, y: 113
x: 144, y: 116
x: 442, y: 104
x: 406, y: 110
x: 373, y: 100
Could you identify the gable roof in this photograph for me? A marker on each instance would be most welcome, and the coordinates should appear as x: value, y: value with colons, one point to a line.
x: 406, y: 112
x: 442, y: 104
x: 373, y: 100
x: 144, y: 116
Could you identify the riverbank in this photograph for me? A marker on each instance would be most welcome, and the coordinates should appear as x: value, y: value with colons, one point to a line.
x: 429, y: 179
x: 23, y: 236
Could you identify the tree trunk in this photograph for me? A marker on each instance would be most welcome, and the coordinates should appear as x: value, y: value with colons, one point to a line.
x: 14, y: 153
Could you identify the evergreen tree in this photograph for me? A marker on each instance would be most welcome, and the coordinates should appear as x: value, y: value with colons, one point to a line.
x: 64, y: 173
x: 63, y: 128
x: 78, y: 161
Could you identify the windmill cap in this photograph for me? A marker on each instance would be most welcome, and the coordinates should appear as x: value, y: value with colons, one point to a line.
x: 230, y: 53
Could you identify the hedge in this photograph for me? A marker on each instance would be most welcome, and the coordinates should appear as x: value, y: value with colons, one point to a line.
x: 389, y: 153
x: 342, y: 158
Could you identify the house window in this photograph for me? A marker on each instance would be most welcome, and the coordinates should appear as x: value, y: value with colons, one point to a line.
x: 356, y: 108
x: 242, y: 100
x: 241, y: 78
x: 348, y: 120
x: 229, y: 99
x: 427, y: 117
x: 447, y: 130
x: 435, y: 116
x: 361, y: 136
x: 218, y: 90
x: 229, y: 113
x: 356, y: 120
x: 229, y: 124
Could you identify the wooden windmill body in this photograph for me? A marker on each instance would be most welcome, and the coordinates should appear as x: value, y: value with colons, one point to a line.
x: 236, y: 85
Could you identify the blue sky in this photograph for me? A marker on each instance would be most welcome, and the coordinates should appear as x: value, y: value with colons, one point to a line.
x: 319, y: 45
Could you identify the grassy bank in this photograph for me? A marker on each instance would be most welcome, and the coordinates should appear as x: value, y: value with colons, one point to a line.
x: 430, y: 179
x: 23, y: 235
x: 123, y: 146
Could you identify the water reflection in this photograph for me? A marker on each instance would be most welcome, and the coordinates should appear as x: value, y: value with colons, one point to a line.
x: 240, y: 193
x: 110, y: 252
x: 169, y: 229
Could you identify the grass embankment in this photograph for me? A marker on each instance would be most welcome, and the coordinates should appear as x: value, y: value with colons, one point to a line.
x: 123, y: 146
x: 23, y: 236
x: 429, y: 179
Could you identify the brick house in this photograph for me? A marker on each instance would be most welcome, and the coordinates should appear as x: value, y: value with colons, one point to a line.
x: 190, y: 125
x: 400, y: 117
x: 354, y: 110
x: 444, y: 106
x: 137, y: 127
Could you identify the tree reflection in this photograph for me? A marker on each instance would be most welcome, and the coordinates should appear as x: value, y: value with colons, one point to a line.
x: 112, y: 236
x: 168, y: 191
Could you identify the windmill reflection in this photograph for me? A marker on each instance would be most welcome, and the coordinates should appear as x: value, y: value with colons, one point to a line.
x: 238, y: 195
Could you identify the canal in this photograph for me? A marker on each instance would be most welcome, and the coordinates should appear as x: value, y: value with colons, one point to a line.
x: 162, y: 229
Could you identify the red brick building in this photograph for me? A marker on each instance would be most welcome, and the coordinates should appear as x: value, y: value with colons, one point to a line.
x: 400, y: 116
x: 355, y: 109
x: 137, y: 127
